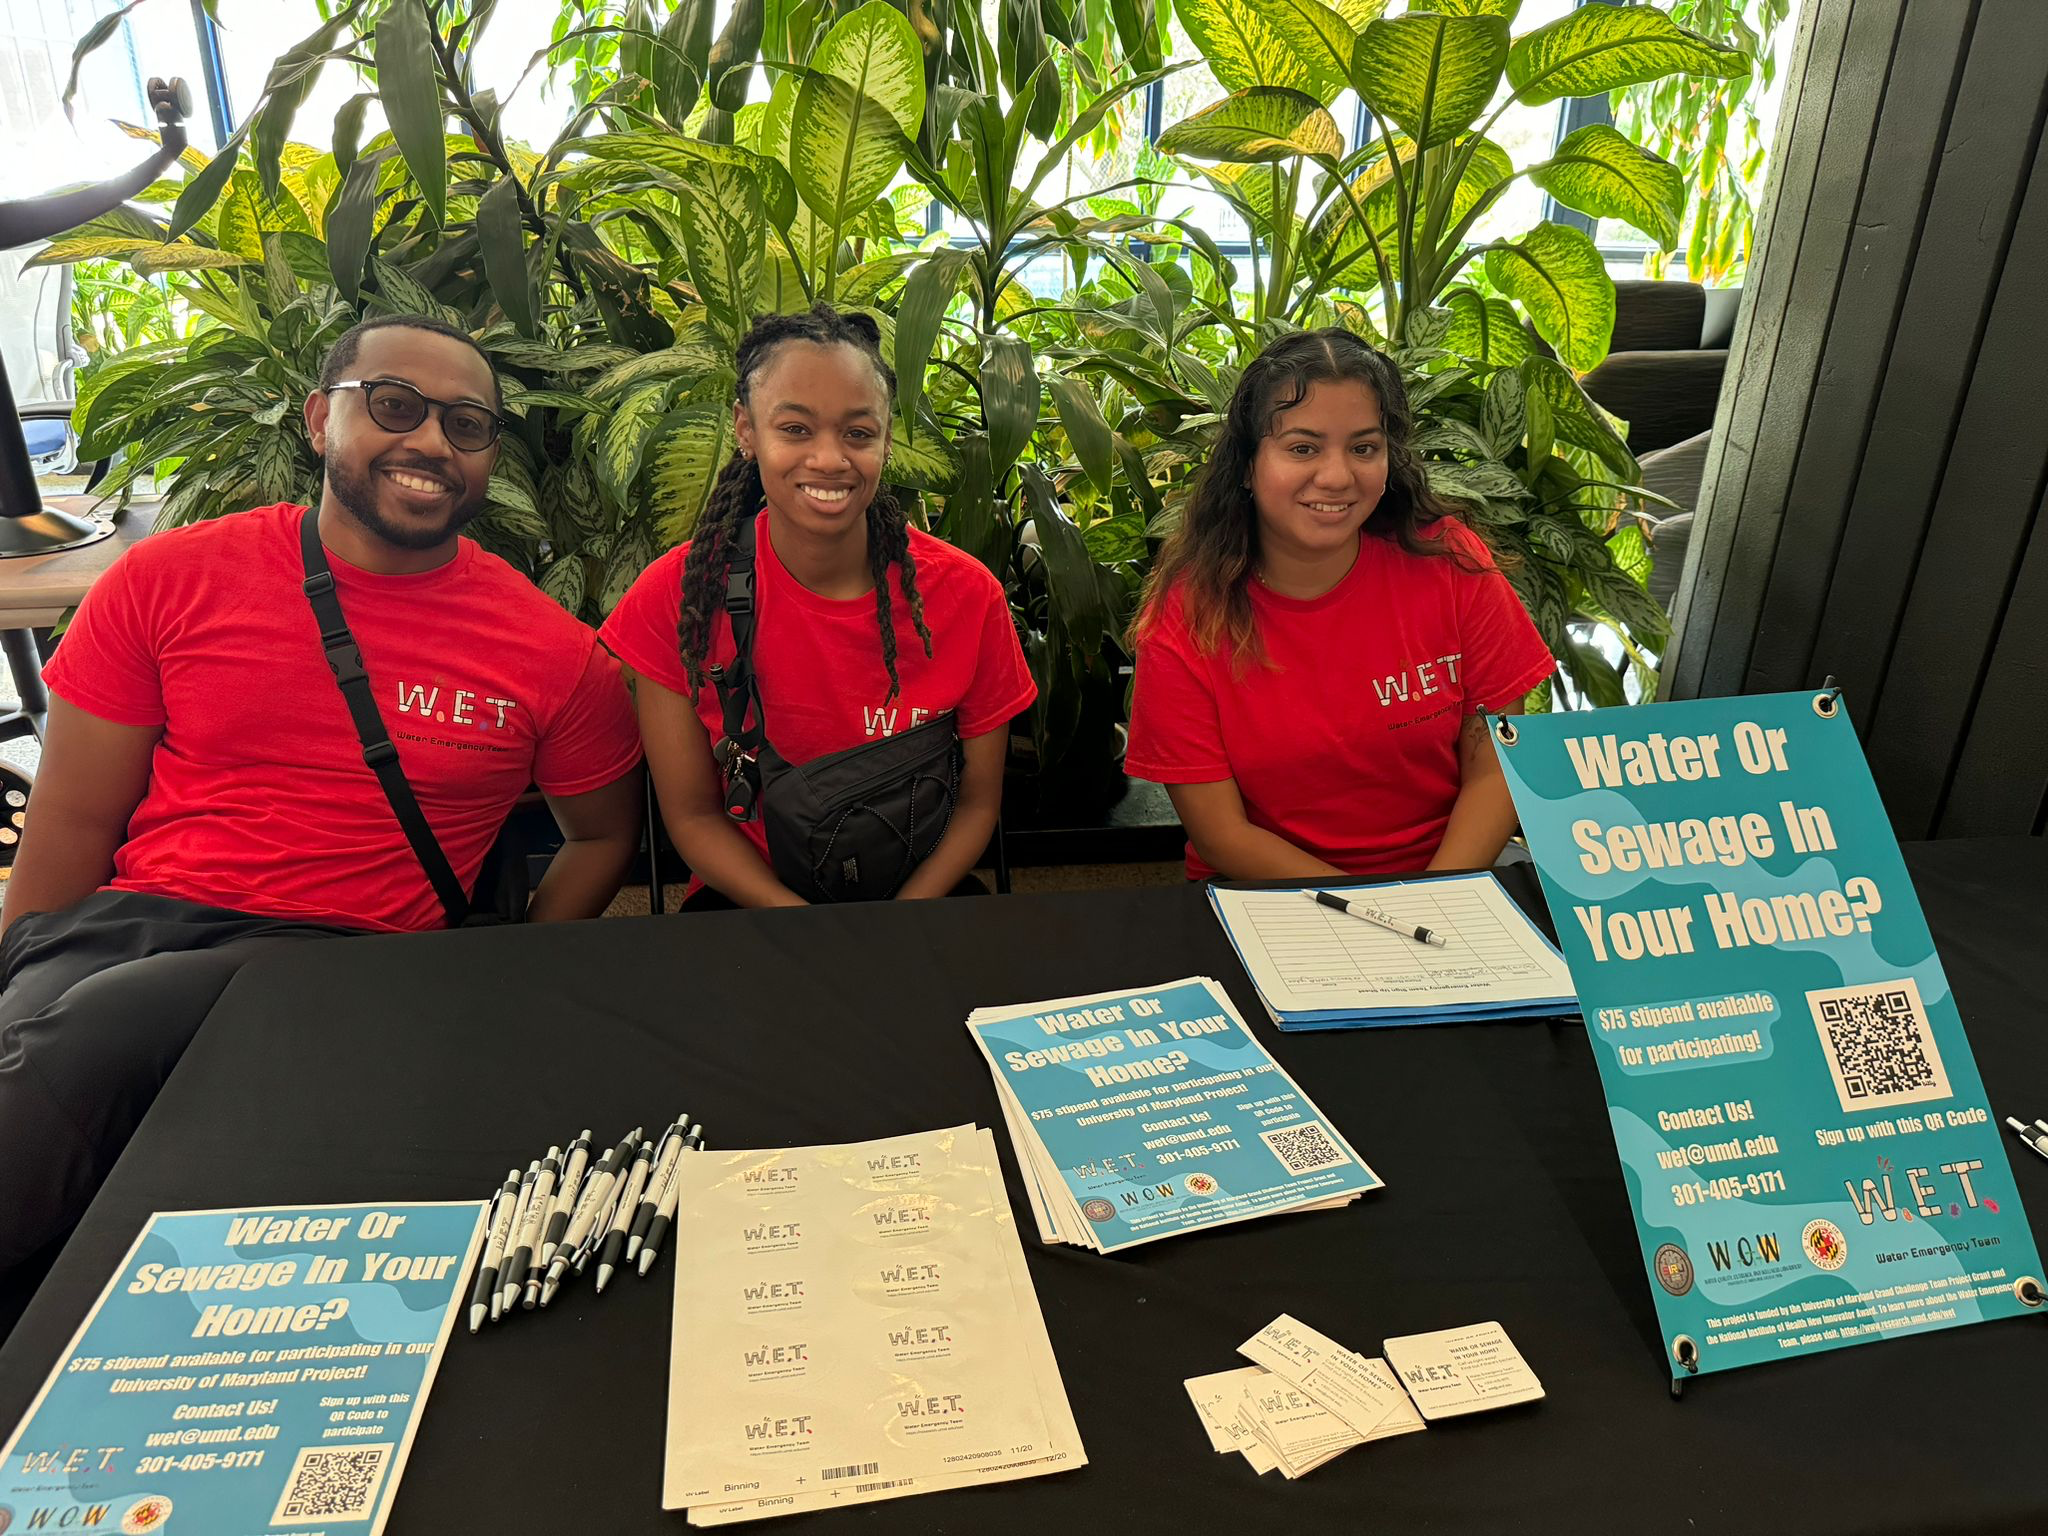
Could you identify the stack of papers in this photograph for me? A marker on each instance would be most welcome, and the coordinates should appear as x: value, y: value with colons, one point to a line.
x: 1308, y: 1399
x: 854, y: 1323
x: 1139, y: 1115
x: 1318, y: 968
x: 1307, y: 1402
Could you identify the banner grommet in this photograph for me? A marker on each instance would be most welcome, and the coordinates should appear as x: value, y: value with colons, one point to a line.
x: 2027, y: 1291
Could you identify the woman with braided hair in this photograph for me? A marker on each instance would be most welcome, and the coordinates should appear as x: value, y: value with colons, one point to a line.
x: 864, y: 627
x: 1320, y: 636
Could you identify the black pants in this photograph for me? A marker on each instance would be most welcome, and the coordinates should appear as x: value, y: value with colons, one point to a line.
x: 97, y: 1002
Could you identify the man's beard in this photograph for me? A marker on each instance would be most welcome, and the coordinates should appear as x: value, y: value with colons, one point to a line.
x: 357, y: 495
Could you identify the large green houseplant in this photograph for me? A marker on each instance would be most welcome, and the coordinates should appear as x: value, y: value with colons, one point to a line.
x: 609, y: 273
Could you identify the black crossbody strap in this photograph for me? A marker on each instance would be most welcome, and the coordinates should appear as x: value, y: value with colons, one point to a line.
x: 345, y: 661
x: 739, y: 694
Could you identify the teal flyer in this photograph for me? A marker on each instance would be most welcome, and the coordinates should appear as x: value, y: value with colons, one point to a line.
x: 246, y: 1372
x: 1162, y: 1113
x: 1802, y: 1129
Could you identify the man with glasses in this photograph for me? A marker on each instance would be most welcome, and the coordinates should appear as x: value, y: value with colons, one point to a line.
x: 204, y: 792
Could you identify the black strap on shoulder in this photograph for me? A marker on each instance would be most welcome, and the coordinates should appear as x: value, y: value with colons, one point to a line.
x: 345, y: 661
x: 739, y: 693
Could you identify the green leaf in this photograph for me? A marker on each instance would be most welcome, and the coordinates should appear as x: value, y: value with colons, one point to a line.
x: 1600, y: 48
x: 689, y: 452
x: 874, y: 50
x: 348, y: 130
x: 732, y: 56
x: 1137, y: 31
x: 563, y: 581
x: 502, y: 239
x: 1504, y: 418
x: 1576, y: 419
x: 1429, y: 74
x: 844, y: 149
x: 681, y: 64
x: 64, y: 250
x: 204, y: 189
x: 1504, y: 9
x: 973, y: 519
x: 1084, y: 597
x: 1556, y: 274
x: 290, y: 81
x: 409, y: 86
x: 1300, y: 44
x: 626, y: 437
x: 1484, y: 330
x: 926, y: 464
x: 1598, y: 171
x: 1009, y: 400
x: 1258, y: 124
x: 918, y: 313
x: 724, y: 233
x: 622, y: 373
x: 183, y: 256
x: 674, y: 155
x: 351, y: 222
x: 1089, y: 434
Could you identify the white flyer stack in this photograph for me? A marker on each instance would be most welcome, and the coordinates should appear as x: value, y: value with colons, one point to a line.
x: 854, y: 1323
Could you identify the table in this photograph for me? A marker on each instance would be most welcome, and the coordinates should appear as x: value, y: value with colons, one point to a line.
x: 38, y: 590
x: 417, y: 1067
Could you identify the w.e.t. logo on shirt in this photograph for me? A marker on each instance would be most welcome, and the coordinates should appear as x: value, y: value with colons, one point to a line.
x: 455, y: 706
x: 881, y: 720
x: 1419, y: 681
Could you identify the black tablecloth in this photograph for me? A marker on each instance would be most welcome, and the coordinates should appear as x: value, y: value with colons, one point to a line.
x: 420, y: 1067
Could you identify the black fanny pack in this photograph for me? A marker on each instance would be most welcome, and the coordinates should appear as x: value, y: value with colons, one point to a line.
x: 848, y: 826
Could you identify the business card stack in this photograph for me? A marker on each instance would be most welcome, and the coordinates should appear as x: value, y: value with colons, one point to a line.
x: 855, y: 1323
x: 1308, y: 1399
x: 1143, y: 1114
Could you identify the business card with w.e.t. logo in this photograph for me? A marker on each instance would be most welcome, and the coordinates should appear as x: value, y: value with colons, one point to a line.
x: 1462, y: 1370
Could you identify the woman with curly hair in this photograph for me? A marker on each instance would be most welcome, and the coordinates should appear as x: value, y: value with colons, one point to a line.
x: 864, y: 626
x: 1319, y: 636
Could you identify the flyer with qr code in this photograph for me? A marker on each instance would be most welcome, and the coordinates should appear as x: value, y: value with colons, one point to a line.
x: 1140, y: 1115
x: 1802, y: 1130
x: 247, y: 1372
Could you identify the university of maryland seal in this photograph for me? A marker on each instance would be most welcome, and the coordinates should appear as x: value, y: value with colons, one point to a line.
x: 1824, y: 1245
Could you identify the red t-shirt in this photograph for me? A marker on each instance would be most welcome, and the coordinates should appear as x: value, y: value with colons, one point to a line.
x: 258, y: 795
x: 1347, y: 744
x: 819, y: 660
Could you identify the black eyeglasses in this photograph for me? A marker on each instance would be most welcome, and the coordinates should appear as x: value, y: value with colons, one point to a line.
x: 398, y: 407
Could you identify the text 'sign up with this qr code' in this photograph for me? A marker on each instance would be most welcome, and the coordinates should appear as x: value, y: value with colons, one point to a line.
x: 330, y: 1484
x: 1879, y: 1045
x: 1305, y: 1148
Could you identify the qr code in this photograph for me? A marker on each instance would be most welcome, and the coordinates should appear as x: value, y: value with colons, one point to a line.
x: 1305, y: 1148
x: 333, y: 1483
x: 1879, y: 1045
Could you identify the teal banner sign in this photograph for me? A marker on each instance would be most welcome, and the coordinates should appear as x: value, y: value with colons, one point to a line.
x: 1801, y: 1126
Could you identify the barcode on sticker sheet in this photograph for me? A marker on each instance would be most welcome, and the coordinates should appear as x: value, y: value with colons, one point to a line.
x: 900, y: 1482
x: 1879, y: 1045
x: 1305, y: 1148
x: 338, y: 1483
x: 857, y: 1469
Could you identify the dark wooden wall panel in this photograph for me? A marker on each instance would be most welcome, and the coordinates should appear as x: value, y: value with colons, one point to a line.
x: 1927, y: 66
x: 1976, y: 536
x: 1999, y: 785
x: 1780, y: 404
x: 1795, y: 157
x: 1872, y: 504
